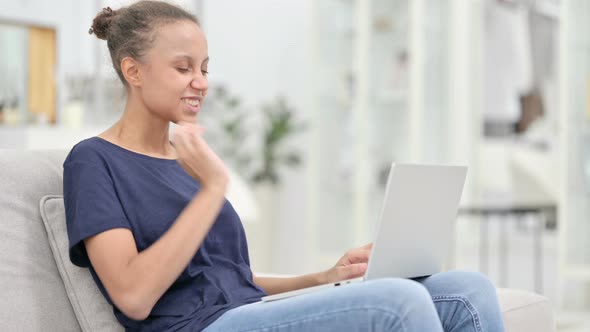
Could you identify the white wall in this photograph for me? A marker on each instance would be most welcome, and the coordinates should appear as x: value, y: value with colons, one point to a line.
x: 258, y: 47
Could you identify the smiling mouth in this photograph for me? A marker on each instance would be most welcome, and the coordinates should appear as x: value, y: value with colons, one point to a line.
x: 191, y: 102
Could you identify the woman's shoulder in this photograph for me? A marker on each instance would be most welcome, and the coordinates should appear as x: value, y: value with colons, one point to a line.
x: 89, y: 151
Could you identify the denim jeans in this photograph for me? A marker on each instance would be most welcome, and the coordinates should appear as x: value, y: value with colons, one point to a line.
x: 448, y: 301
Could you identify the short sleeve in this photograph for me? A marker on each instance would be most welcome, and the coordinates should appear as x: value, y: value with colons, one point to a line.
x: 91, y: 203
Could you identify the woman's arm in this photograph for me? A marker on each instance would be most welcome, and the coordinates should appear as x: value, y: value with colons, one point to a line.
x: 352, y: 265
x: 275, y: 285
x: 135, y: 281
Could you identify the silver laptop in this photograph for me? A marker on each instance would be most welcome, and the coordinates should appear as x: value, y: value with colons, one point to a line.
x: 415, y: 227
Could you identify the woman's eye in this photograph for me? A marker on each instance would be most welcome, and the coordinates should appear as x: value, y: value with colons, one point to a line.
x: 204, y: 72
x: 183, y: 70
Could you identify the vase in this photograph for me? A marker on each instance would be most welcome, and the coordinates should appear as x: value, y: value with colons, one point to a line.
x: 73, y: 114
x: 262, y: 234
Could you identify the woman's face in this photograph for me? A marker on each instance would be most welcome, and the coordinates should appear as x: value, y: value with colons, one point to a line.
x: 174, y: 72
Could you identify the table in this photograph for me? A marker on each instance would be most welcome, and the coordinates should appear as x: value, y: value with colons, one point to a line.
x: 506, y: 211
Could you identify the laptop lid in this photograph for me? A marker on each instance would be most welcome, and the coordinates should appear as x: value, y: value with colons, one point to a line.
x: 417, y: 220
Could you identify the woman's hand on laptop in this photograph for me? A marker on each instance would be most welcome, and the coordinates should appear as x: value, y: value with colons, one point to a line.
x: 352, y: 265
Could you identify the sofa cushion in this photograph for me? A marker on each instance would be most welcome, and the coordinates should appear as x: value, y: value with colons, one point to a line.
x: 33, y: 294
x: 525, y: 311
x: 94, y: 313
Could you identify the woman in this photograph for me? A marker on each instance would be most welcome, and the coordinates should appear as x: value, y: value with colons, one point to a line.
x: 149, y: 218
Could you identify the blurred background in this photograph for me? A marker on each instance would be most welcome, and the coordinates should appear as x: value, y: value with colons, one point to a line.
x: 310, y: 101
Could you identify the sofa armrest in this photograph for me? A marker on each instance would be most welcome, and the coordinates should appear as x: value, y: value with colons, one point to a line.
x: 525, y: 311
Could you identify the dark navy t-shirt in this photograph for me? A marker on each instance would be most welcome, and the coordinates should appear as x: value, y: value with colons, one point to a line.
x: 107, y: 186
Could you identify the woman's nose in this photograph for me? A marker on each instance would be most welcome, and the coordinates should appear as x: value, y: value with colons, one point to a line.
x: 200, y: 82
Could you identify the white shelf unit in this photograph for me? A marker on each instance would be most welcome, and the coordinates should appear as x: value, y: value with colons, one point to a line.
x: 381, y: 94
x: 574, y: 213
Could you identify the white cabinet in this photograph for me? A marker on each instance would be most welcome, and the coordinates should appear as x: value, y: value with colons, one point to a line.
x: 574, y: 215
x: 380, y: 94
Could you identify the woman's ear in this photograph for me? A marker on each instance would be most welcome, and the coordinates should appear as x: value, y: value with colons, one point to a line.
x: 130, y: 70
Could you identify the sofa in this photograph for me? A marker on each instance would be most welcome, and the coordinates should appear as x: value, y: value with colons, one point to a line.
x: 42, y: 291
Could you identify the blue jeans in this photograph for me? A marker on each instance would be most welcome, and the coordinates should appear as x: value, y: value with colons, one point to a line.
x: 449, y: 301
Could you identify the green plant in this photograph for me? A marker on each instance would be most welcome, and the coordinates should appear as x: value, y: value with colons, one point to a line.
x: 279, y: 125
x: 229, y: 122
x: 233, y: 131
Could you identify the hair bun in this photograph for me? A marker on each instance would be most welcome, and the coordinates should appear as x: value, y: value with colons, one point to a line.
x: 102, y: 22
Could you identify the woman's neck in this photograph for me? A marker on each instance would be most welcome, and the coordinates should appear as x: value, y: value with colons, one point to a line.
x: 140, y: 131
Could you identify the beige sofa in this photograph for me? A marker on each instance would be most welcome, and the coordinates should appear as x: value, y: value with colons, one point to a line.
x: 42, y: 291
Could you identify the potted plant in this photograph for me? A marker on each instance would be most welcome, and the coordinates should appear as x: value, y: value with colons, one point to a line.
x: 77, y: 87
x: 255, y: 144
x: 278, y: 126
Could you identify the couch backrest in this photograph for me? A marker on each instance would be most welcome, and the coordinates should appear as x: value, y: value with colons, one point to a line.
x: 33, y: 297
